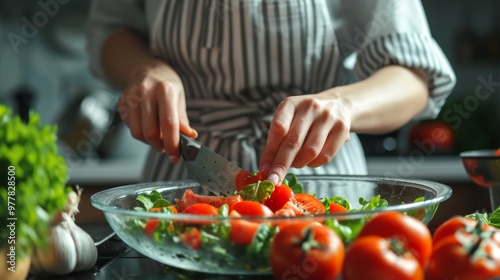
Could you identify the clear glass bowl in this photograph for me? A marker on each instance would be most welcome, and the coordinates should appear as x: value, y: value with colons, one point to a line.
x: 227, y: 258
x: 483, y: 168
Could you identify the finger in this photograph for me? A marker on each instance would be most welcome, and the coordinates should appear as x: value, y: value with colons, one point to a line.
x: 123, y: 108
x: 133, y: 116
x: 184, y: 125
x: 150, y: 123
x: 336, y: 138
x: 313, y: 145
x: 169, y: 120
x: 292, y: 143
x: 279, y: 128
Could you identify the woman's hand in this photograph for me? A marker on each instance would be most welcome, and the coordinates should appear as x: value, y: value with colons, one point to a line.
x: 153, y: 106
x: 306, y: 130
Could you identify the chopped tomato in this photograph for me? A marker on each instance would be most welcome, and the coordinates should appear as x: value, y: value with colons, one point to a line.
x: 290, y: 209
x: 279, y: 197
x: 242, y: 231
x: 309, y: 204
x: 337, y: 208
x: 201, y: 209
x: 191, y: 238
x: 244, y: 178
x: 151, y: 226
x: 171, y: 208
x: 190, y: 198
x: 252, y: 208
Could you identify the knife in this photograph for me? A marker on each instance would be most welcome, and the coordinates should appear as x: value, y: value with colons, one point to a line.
x: 211, y: 170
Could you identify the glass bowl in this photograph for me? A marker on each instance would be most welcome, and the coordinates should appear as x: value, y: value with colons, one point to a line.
x: 483, y: 168
x: 418, y: 198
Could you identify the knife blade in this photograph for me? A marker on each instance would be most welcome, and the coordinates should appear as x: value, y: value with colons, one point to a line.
x: 210, y: 169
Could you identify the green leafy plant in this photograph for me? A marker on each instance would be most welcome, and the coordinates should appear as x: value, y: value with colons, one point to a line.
x: 33, y: 179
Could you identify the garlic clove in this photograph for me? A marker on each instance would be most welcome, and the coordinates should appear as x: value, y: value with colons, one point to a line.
x: 86, y: 251
x: 60, y: 258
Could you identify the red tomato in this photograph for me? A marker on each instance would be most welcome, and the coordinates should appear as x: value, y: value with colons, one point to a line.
x: 497, y: 152
x: 309, y: 204
x: 201, y: 209
x: 452, y: 225
x: 306, y: 251
x: 172, y: 209
x: 242, y: 231
x: 374, y: 257
x: 150, y: 226
x: 337, y: 208
x: 190, y: 198
x: 414, y: 234
x: 281, y: 195
x: 467, y: 258
x: 244, y: 178
x: 251, y: 208
x: 192, y: 238
x: 432, y: 136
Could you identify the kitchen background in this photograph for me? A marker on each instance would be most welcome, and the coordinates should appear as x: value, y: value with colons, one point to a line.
x: 43, y: 66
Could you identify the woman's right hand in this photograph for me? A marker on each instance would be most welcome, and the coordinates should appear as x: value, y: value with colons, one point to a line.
x: 153, y: 106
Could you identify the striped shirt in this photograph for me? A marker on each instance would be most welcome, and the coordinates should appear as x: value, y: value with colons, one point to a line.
x: 239, y: 58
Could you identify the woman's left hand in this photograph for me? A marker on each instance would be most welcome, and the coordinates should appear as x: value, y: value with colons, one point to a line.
x: 306, y: 130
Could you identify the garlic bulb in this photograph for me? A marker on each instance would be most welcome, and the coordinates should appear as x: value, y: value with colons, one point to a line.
x: 71, y: 249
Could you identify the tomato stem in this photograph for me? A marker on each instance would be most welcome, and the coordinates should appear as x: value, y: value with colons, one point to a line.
x: 308, y: 241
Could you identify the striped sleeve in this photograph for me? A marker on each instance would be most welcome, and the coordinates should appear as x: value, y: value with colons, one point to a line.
x: 412, y: 50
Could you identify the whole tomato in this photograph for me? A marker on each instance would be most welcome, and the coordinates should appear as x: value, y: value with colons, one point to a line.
x: 374, y: 257
x: 414, y: 234
x: 455, y: 224
x: 469, y: 257
x: 432, y: 136
x: 306, y: 250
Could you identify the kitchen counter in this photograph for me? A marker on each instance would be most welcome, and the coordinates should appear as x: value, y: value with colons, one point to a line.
x: 128, y: 171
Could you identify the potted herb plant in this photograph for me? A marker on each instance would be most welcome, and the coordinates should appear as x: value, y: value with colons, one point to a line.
x: 33, y: 190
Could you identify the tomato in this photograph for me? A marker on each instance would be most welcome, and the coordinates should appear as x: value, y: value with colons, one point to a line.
x: 191, y: 238
x: 374, y: 257
x: 467, y: 258
x: 281, y: 195
x: 150, y: 226
x: 251, y: 208
x: 452, y: 225
x: 306, y: 251
x: 414, y: 234
x: 497, y: 152
x: 337, y: 208
x: 244, y: 178
x: 190, y: 198
x: 432, y: 137
x: 201, y: 209
x: 290, y: 209
x: 172, y: 209
x: 242, y: 231
x: 309, y: 204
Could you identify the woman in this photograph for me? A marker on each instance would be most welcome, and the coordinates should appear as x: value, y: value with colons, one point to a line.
x: 273, y: 85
